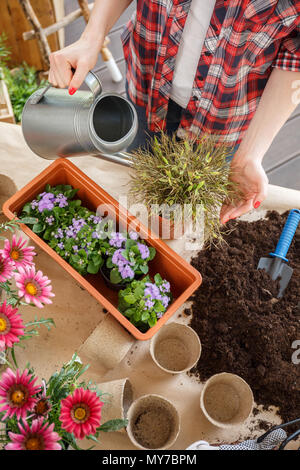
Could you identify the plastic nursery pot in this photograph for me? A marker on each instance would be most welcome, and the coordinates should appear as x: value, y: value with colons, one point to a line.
x: 117, y: 399
x: 226, y: 400
x: 153, y: 423
x: 105, y: 274
x: 165, y: 228
x: 107, y: 345
x: 184, y: 279
x: 175, y: 348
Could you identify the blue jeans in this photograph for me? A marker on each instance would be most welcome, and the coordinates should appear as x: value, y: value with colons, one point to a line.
x: 144, y: 135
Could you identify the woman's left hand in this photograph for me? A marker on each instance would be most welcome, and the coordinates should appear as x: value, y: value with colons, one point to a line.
x: 252, y: 182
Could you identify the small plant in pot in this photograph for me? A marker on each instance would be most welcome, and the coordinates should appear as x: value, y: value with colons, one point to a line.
x: 70, y: 229
x: 144, y: 302
x: 127, y: 258
x: 189, y: 175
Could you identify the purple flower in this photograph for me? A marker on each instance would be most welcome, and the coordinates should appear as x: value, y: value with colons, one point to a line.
x: 45, y: 205
x: 49, y: 220
x: 96, y: 235
x: 61, y: 245
x: 59, y: 233
x: 149, y: 304
x: 126, y: 272
x: 116, y: 239
x: 118, y: 259
x: 165, y: 301
x: 75, y: 248
x: 144, y: 250
x: 165, y: 287
x: 152, y: 291
x: 133, y: 235
x: 61, y: 200
x: 46, y: 202
x: 34, y: 204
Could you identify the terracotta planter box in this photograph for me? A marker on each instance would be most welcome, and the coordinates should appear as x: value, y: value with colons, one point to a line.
x: 183, y: 277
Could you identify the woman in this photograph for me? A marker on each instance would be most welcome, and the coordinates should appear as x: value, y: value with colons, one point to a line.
x: 226, y: 67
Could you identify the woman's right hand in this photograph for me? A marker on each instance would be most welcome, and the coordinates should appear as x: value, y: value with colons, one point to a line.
x: 81, y: 56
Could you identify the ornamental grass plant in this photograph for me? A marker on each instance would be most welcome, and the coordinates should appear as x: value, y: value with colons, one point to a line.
x: 189, y: 173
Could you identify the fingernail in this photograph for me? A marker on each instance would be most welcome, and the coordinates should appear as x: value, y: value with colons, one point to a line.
x: 256, y: 205
x: 72, y: 91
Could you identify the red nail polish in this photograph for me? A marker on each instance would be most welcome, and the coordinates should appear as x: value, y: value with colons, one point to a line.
x: 256, y: 205
x: 72, y: 91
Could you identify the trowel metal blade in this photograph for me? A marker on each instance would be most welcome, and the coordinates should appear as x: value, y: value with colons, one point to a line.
x: 283, y: 272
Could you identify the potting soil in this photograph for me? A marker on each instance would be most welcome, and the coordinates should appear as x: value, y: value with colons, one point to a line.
x: 244, y: 328
x: 152, y: 428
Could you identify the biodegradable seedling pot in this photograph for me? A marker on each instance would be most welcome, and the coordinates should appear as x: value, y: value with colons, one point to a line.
x: 7, y: 188
x: 153, y: 423
x: 117, y: 401
x: 107, y: 345
x: 175, y: 348
x: 226, y: 400
x: 184, y: 279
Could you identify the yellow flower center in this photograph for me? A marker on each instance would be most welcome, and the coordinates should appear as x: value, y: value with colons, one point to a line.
x: 31, y: 288
x: 3, y: 325
x: 33, y: 443
x: 15, y: 254
x: 80, y: 413
x: 17, y: 397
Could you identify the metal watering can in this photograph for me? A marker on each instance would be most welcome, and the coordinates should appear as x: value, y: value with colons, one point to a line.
x: 56, y: 124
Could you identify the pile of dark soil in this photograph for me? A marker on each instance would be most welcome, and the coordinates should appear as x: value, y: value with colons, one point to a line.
x: 243, y: 327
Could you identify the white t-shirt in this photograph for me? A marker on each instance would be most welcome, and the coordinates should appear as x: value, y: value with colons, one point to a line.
x: 189, y: 50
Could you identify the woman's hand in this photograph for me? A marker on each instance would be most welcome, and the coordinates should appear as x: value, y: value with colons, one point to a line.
x: 252, y: 182
x: 81, y: 56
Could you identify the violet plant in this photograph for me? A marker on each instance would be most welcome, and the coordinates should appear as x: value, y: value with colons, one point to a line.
x: 70, y: 229
x: 127, y: 256
x: 144, y: 302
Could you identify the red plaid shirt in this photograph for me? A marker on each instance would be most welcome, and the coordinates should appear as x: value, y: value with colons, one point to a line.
x: 245, y: 39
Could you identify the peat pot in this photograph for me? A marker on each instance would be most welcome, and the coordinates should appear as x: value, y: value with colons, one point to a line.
x: 153, y: 423
x: 226, y: 400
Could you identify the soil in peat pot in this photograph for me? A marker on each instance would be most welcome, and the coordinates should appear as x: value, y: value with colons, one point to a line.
x: 152, y: 428
x: 243, y: 327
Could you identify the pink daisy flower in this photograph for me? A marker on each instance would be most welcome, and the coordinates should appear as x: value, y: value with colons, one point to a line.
x: 6, y: 268
x: 34, y: 286
x: 18, y: 252
x: 43, y: 406
x: 38, y: 436
x: 11, y: 325
x: 17, y: 393
x: 80, y: 413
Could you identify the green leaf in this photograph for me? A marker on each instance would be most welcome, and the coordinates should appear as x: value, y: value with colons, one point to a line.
x: 115, y: 276
x: 93, y: 268
x: 28, y: 220
x: 130, y: 298
x: 113, y: 425
x: 152, y: 253
x: 38, y: 228
x: 144, y: 268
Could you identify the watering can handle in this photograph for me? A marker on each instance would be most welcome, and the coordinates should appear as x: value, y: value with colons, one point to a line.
x: 91, y: 80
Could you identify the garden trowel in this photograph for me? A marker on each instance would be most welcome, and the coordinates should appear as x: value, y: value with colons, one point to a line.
x: 276, y: 265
